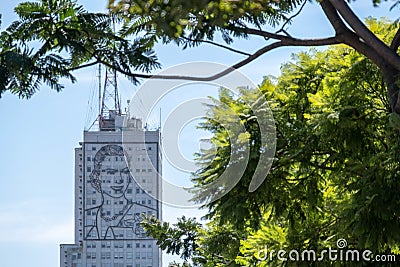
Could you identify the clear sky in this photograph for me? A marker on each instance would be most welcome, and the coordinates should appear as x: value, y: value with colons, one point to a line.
x: 38, y: 137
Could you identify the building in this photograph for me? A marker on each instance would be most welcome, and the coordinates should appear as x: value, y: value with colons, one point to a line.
x: 117, y: 180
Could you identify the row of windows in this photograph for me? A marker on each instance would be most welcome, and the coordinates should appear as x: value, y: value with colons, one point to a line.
x: 120, y: 255
x: 89, y: 158
x: 109, y: 265
x: 89, y: 169
x: 128, y: 191
x: 94, y: 148
x: 120, y: 265
x: 93, y: 201
x: 144, y: 170
x: 119, y: 244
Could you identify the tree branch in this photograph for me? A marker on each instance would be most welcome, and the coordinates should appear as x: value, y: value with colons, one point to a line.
x: 262, y: 33
x: 292, y: 17
x: 218, y: 45
x: 333, y: 17
x: 287, y: 42
x: 396, y: 41
x: 83, y: 66
x: 367, y: 36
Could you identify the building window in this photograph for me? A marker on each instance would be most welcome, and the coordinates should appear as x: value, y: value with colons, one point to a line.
x: 89, y: 169
x: 105, y: 255
x: 149, y: 170
x: 93, y: 148
x: 137, y: 245
x: 137, y: 170
x: 91, y: 255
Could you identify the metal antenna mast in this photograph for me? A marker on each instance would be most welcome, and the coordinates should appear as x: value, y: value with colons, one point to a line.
x: 110, y: 102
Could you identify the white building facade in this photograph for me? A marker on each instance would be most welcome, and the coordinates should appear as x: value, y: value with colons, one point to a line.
x: 117, y: 181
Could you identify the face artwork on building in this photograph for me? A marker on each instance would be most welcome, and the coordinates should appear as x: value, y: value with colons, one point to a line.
x: 111, y: 213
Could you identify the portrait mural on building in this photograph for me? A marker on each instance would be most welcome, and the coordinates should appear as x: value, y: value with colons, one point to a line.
x: 111, y: 212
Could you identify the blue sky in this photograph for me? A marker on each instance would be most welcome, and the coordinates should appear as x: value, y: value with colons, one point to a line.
x: 38, y: 137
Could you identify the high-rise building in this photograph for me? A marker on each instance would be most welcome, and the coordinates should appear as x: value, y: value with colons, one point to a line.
x: 117, y: 181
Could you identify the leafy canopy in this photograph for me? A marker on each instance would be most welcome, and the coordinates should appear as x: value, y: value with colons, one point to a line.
x: 52, y: 38
x: 336, y: 171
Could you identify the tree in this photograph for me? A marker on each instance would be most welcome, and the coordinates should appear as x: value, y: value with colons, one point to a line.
x: 190, y: 23
x: 69, y: 38
x: 336, y: 172
x: 212, y: 246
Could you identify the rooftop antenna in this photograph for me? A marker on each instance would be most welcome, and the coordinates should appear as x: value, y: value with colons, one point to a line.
x: 159, y: 122
x: 110, y: 101
x: 99, y: 76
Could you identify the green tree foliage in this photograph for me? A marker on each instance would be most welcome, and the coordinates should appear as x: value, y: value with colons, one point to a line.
x: 70, y: 38
x: 336, y: 169
x: 191, y: 23
x: 52, y: 38
x: 200, y: 19
x: 199, y: 246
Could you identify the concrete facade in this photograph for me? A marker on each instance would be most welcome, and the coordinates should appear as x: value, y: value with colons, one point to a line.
x: 117, y: 180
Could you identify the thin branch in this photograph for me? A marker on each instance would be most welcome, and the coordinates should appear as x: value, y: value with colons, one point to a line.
x: 292, y: 17
x: 368, y: 37
x: 333, y: 17
x: 83, y: 66
x: 285, y: 32
x: 396, y: 41
x: 193, y: 78
x: 348, y: 36
x: 282, y: 29
x: 219, y: 45
x: 287, y: 42
x: 260, y: 32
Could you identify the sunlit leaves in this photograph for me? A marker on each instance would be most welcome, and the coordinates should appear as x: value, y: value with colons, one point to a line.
x: 52, y: 38
x: 199, y: 20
